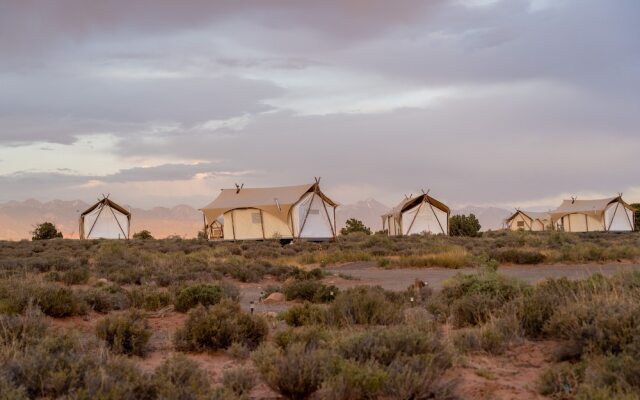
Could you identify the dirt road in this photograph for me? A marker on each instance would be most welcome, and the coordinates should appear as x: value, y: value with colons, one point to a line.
x: 366, y: 273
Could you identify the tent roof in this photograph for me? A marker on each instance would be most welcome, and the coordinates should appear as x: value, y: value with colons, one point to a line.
x: 595, y: 206
x: 109, y: 203
x: 531, y: 214
x: 411, y: 202
x: 276, y: 200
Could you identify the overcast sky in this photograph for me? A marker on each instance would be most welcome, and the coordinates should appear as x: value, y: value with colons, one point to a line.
x: 161, y: 102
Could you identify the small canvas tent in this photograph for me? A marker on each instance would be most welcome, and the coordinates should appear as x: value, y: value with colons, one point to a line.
x: 290, y: 212
x: 529, y: 221
x: 105, y: 220
x: 417, y: 215
x: 608, y: 215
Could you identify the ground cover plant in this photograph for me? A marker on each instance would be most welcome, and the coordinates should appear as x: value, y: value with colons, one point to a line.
x: 87, y: 319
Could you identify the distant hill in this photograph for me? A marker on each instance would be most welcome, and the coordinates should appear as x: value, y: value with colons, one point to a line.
x: 368, y: 211
x: 18, y: 218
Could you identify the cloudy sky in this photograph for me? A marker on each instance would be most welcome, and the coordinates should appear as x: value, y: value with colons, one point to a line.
x: 160, y: 102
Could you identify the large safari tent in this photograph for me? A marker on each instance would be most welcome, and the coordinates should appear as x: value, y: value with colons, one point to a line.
x: 289, y: 212
x: 414, y: 215
x: 105, y: 220
x: 529, y: 221
x: 601, y: 215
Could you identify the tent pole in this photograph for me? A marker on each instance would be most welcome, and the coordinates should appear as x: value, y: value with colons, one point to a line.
x: 206, y: 227
x: 625, y: 213
x: 313, y: 196
x: 96, y: 220
x: 233, y: 225
x: 414, y: 218
x: 117, y: 222
x: 262, y: 224
x: 613, y: 217
x: 435, y: 215
x: 328, y: 218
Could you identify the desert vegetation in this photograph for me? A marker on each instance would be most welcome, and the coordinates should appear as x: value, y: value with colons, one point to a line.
x: 89, y: 319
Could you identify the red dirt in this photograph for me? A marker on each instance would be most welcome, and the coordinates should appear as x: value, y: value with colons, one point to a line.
x: 512, y: 375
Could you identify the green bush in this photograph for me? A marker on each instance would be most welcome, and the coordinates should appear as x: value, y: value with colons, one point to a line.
x: 204, y: 294
x: 126, y: 333
x: 296, y: 373
x: 462, y: 225
x: 219, y: 327
x: 418, y: 377
x: 516, y: 256
x: 304, y: 314
x: 310, y: 290
x: 364, y: 305
x: 46, y: 231
x: 309, y: 336
x: 355, y: 381
x: 181, y: 378
x: 150, y: 298
x: 108, y: 298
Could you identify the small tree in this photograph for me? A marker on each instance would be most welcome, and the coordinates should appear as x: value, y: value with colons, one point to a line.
x: 202, y: 235
x: 636, y: 219
x: 143, y: 235
x: 354, y: 225
x: 463, y: 225
x: 46, y: 231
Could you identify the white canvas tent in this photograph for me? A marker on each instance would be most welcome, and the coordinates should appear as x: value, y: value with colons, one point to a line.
x: 105, y: 220
x: 289, y: 212
x: 414, y: 215
x: 600, y: 215
x: 529, y: 221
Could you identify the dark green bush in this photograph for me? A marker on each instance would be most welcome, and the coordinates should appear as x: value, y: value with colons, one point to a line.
x: 107, y: 298
x: 516, y: 256
x: 219, y: 327
x: 150, y: 298
x: 309, y: 290
x: 355, y: 381
x: 304, y: 314
x: 126, y: 333
x: 240, y: 381
x: 204, y: 294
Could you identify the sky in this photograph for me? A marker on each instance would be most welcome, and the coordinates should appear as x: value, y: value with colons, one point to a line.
x: 513, y: 103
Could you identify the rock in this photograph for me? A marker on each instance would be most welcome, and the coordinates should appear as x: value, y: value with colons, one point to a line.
x: 274, y: 297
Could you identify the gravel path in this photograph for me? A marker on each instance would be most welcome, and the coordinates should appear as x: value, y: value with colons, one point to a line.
x: 366, y: 273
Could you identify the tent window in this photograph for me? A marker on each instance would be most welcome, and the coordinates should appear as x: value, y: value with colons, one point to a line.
x: 314, y: 212
x: 255, y: 218
x: 520, y: 224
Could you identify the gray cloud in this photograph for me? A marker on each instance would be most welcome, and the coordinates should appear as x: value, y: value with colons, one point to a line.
x: 540, y: 101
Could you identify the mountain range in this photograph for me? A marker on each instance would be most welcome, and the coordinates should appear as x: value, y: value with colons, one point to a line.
x: 18, y: 218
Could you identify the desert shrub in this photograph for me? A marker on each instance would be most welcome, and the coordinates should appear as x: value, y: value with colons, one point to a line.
x: 561, y: 380
x: 493, y: 337
x: 304, y: 314
x: 309, y: 290
x: 219, y: 327
x: 204, y: 294
x: 471, y: 299
x: 418, y: 377
x: 57, y: 301
x: 384, y: 345
x: 456, y: 258
x: 54, y: 366
x: 355, y: 381
x: 239, y: 351
x: 364, y: 305
x: 10, y: 392
x: 517, y: 256
x: 107, y: 298
x: 22, y: 330
x: 310, y: 337
x: 181, y: 378
x: 296, y: 372
x: 607, y: 325
x: 117, y: 378
x: 150, y: 298
x: 239, y: 380
x: 126, y: 333
x: 142, y: 235
x: 74, y: 276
